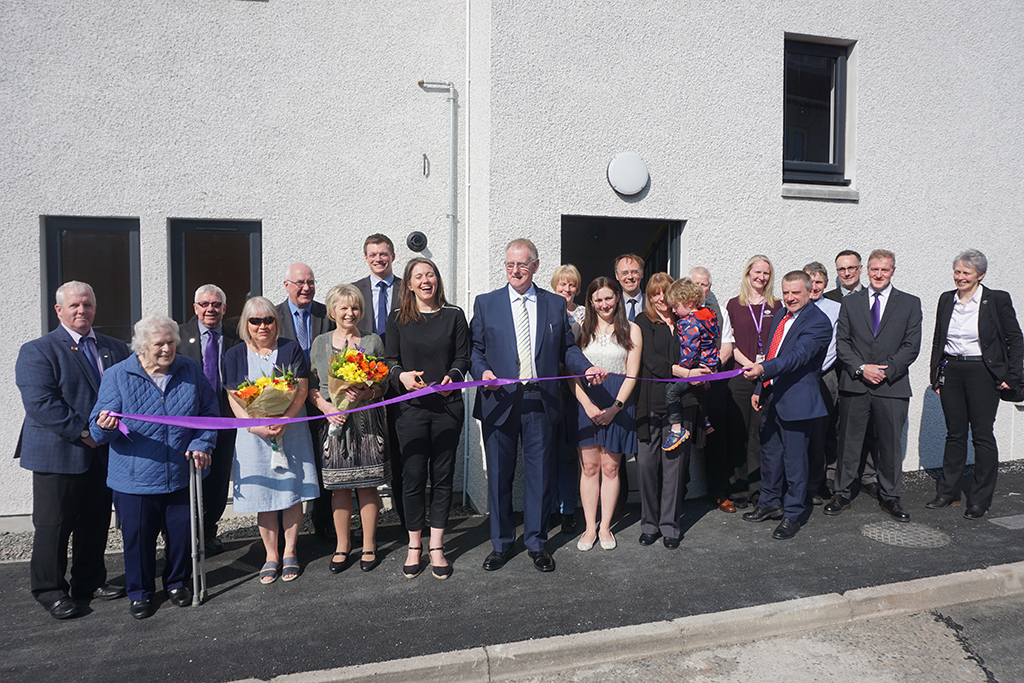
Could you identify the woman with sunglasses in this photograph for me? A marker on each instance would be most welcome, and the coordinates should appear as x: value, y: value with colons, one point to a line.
x: 258, y: 486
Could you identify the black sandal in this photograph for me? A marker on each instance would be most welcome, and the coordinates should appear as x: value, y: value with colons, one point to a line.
x: 440, y: 572
x: 337, y: 567
x: 367, y: 565
x: 411, y: 571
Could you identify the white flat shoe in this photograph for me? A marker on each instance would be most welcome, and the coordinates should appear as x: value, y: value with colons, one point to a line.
x: 584, y: 546
x: 609, y: 545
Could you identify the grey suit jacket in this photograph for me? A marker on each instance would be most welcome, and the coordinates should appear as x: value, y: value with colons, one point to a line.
x: 897, y: 344
x: 368, y: 323
x: 317, y: 320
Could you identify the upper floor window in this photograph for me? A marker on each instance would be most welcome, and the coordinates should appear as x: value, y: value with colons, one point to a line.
x: 815, y: 114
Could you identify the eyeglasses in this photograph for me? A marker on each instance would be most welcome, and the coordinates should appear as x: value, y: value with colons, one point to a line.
x: 303, y: 283
x: 207, y: 304
x: 515, y: 265
x: 849, y: 269
x: 624, y: 273
x: 268, y: 321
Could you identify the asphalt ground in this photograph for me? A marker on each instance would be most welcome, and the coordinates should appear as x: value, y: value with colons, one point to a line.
x: 324, y: 621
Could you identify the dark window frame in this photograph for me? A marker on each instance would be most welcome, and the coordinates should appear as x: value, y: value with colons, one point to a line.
x: 53, y: 255
x: 819, y: 172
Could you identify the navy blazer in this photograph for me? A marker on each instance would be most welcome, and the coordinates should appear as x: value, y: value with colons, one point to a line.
x: 1003, y: 358
x: 493, y: 337
x: 896, y: 345
x: 58, y: 390
x: 797, y: 366
x: 289, y: 355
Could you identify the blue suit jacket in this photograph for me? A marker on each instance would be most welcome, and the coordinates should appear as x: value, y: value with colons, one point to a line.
x: 494, y: 348
x: 58, y: 391
x: 797, y: 365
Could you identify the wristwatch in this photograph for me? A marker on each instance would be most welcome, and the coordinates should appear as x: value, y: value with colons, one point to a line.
x: 84, y: 435
x: 618, y: 404
x: 860, y: 370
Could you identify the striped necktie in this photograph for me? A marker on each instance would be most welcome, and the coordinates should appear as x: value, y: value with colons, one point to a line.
x: 523, y: 340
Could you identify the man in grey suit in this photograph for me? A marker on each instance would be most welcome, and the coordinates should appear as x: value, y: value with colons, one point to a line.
x: 58, y: 376
x: 382, y: 292
x: 206, y: 339
x: 878, y: 336
x: 302, y: 319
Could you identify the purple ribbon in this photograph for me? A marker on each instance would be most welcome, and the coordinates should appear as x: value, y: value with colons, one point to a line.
x: 197, y: 422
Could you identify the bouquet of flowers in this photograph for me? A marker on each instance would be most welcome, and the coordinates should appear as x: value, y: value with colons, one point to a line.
x: 268, y: 397
x: 352, y: 368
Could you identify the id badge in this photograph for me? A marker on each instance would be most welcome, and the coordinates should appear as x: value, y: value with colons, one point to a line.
x: 759, y: 358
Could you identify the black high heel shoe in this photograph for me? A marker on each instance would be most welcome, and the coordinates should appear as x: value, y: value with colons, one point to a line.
x: 367, y: 565
x: 440, y: 572
x: 337, y: 567
x: 411, y: 571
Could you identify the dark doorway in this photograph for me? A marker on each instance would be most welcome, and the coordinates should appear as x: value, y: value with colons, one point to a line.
x: 591, y: 243
x: 223, y: 253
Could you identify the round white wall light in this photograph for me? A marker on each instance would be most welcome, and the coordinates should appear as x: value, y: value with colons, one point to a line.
x: 627, y: 173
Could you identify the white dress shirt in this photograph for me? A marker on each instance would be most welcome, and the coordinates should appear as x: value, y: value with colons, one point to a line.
x: 882, y: 300
x: 375, y: 293
x: 831, y: 309
x: 531, y: 310
x: 962, y: 338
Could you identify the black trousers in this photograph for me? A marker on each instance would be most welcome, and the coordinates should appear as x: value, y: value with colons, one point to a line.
x: 969, y: 399
x: 142, y: 517
x: 857, y: 413
x: 215, y: 485
x: 714, y: 400
x: 427, y: 440
x: 62, y: 505
x: 744, y: 440
x: 663, y: 475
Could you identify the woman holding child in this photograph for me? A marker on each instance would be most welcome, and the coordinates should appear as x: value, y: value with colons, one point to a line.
x: 607, y: 427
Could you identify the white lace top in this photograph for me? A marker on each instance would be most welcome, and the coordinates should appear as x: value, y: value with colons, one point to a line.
x: 606, y: 353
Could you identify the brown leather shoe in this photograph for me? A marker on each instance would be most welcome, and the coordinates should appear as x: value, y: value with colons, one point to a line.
x: 726, y: 505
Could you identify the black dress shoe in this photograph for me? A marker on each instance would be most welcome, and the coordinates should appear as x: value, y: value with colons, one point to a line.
x: 649, y: 539
x: 568, y: 524
x: 337, y: 567
x: 496, y: 560
x: 893, y: 508
x: 940, y: 501
x: 182, y: 597
x: 760, y: 514
x: 974, y: 512
x: 542, y: 560
x: 739, y: 503
x: 369, y: 565
x: 837, y: 505
x: 141, y: 609
x: 787, y: 528
x: 213, y: 546
x: 64, y: 608
x: 871, y: 489
x: 670, y: 543
x: 104, y: 592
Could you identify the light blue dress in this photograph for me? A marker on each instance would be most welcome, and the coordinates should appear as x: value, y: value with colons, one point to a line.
x: 258, y: 487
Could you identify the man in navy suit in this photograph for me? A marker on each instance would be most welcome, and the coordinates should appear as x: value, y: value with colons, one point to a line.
x: 58, y: 376
x: 521, y: 331
x: 788, y: 391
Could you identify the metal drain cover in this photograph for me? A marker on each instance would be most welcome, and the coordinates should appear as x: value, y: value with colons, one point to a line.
x: 905, y: 534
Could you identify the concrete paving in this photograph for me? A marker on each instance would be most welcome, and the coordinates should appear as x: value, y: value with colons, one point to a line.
x: 498, y: 625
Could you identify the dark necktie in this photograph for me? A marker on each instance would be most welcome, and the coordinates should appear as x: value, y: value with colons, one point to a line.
x: 90, y: 357
x: 382, y: 309
x: 632, y: 310
x: 301, y: 332
x: 876, y: 314
x: 210, y: 356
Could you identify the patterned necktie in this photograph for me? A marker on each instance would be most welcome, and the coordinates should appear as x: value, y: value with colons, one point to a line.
x: 876, y: 314
x: 90, y: 356
x: 210, y: 356
x: 523, y: 340
x: 382, y: 309
x: 301, y: 331
x: 773, y: 347
x: 632, y: 310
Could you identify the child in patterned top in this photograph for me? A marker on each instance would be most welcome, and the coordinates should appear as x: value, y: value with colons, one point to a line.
x: 697, y: 329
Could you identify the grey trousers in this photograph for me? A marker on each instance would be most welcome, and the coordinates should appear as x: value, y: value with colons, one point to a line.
x: 662, y: 476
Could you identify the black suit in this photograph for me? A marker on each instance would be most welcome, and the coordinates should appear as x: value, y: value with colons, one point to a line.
x: 968, y: 391
x: 323, y: 518
x: 215, y: 485
x: 886, y: 404
x: 368, y: 324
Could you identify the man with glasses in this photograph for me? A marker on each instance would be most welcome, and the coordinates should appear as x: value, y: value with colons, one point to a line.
x: 302, y: 319
x: 629, y: 271
x: 206, y: 339
x: 522, y: 331
x: 848, y: 268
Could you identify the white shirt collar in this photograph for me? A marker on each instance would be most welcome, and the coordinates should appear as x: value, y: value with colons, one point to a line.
x: 530, y: 294
x: 375, y: 281
x: 78, y: 337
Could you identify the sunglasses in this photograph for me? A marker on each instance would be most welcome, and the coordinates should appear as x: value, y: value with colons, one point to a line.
x: 268, y: 321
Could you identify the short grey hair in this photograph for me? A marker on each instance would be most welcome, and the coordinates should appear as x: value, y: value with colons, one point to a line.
x: 973, y: 258
x: 523, y: 243
x: 149, y: 326
x: 75, y: 287
x: 210, y: 289
x: 701, y: 270
x: 816, y: 268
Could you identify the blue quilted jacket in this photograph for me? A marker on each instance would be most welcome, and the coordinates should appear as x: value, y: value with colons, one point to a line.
x: 152, y: 458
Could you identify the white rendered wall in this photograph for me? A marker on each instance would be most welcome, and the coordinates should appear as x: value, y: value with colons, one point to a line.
x: 307, y: 116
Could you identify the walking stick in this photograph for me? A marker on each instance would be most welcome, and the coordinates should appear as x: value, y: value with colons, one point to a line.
x: 195, y: 497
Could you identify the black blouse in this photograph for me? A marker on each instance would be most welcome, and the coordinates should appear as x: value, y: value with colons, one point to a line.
x: 438, y: 345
